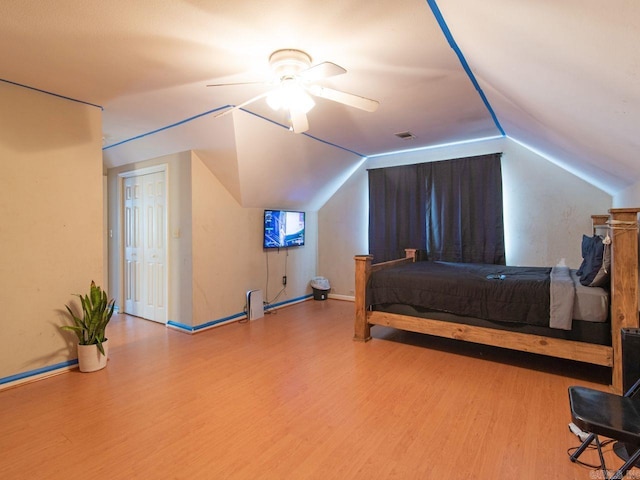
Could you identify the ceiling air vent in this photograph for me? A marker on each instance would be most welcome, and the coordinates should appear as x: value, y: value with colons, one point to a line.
x: 405, y: 135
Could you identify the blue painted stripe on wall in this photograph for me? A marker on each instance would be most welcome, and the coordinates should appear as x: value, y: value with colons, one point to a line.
x: 189, y: 328
x: 463, y: 61
x: 177, y: 124
x: 50, y: 93
x: 293, y: 300
x: 221, y: 320
x: 181, y: 326
x: 38, y: 371
x: 303, y: 133
x: 195, y: 117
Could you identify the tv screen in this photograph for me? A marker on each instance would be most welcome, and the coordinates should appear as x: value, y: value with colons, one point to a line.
x: 283, y: 229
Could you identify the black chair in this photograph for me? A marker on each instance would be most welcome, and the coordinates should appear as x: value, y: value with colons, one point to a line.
x: 613, y: 416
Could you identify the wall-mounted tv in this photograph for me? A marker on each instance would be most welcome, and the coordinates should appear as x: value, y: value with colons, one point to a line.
x: 283, y: 228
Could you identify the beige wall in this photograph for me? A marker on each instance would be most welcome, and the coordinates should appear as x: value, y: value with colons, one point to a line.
x: 547, y: 210
x: 215, y: 246
x: 343, y: 224
x: 228, y: 259
x: 51, y: 237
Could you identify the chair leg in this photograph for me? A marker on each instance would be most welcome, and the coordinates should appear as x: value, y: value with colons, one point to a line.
x: 582, y: 447
x: 604, y: 466
x: 627, y: 465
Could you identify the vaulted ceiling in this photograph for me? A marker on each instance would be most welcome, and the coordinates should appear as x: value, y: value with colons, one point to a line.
x: 560, y: 77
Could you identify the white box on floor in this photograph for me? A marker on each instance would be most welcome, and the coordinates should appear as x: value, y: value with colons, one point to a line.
x: 255, y: 304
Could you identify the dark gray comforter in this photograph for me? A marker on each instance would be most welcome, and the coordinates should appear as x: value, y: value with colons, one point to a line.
x: 491, y: 292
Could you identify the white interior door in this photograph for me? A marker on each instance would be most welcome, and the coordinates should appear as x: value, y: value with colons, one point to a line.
x: 145, y: 246
x: 154, y: 264
x: 133, y: 251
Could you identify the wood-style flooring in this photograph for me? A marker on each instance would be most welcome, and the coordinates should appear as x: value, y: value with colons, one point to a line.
x: 291, y: 396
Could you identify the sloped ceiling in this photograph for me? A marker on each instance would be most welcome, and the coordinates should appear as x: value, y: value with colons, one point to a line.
x: 561, y: 78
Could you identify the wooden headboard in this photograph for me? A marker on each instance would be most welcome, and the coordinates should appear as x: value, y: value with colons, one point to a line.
x: 623, y: 230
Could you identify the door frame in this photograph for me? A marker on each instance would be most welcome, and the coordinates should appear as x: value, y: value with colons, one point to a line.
x: 135, y: 173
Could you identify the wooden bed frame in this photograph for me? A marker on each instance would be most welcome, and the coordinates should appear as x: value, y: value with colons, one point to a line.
x: 623, y: 226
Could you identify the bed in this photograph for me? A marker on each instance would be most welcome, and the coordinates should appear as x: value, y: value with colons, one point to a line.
x: 595, y: 340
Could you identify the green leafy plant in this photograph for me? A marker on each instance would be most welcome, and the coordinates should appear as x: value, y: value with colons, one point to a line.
x: 96, y: 313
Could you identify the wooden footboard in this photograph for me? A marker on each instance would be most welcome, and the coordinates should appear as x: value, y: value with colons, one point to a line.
x: 364, y: 267
x: 624, y: 307
x: 524, y: 342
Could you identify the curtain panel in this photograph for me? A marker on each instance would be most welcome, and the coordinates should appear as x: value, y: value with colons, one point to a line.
x: 451, y: 208
x: 397, y: 199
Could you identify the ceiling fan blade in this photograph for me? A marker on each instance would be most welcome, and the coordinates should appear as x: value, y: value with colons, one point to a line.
x: 349, y: 99
x: 236, y: 83
x: 299, y: 121
x: 322, y: 70
x: 251, y: 100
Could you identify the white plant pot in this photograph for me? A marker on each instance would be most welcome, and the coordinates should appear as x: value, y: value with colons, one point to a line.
x: 91, y: 359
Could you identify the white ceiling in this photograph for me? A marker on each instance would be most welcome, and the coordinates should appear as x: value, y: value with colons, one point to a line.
x: 561, y: 77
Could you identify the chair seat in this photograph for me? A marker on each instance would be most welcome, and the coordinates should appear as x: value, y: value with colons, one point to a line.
x: 606, y: 414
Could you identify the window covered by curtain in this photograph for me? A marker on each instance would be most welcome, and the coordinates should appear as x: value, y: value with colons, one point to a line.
x: 397, y: 199
x: 451, y: 208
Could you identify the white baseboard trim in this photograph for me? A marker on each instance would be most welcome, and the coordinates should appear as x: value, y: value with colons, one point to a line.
x: 346, y: 298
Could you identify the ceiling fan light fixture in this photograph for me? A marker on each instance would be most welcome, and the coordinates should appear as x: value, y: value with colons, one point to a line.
x: 290, y: 96
x: 295, y: 78
x: 274, y: 99
x: 289, y: 62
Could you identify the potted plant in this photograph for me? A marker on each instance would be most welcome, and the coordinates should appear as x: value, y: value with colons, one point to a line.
x: 90, y: 328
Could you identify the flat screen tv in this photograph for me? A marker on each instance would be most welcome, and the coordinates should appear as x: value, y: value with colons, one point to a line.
x: 283, y: 229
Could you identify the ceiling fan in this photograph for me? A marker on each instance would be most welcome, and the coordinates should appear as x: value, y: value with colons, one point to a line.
x: 295, y: 83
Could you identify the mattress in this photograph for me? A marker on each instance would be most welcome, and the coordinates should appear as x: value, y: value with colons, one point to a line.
x: 490, y: 292
x: 591, y: 304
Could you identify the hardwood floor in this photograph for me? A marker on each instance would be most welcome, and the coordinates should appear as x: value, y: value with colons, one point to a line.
x: 292, y: 396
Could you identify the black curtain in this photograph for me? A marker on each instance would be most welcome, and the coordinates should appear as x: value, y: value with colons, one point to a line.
x: 452, y: 208
x: 397, y: 198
